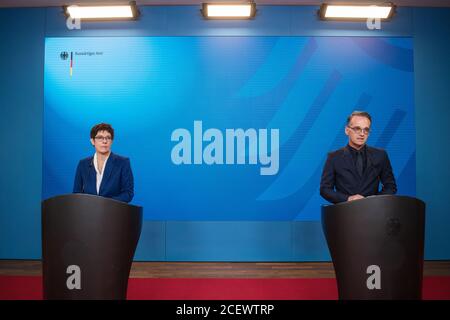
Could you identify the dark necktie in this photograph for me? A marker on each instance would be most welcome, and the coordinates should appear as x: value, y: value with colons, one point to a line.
x: 359, y: 163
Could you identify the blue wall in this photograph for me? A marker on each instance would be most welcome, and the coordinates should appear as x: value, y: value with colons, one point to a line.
x: 22, y: 33
x: 21, y: 109
x: 432, y: 97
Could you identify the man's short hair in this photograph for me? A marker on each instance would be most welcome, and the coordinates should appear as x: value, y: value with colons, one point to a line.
x: 360, y: 114
x: 102, y: 127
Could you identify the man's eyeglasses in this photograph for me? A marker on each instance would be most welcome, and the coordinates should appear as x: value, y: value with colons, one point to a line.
x: 359, y: 130
x: 100, y: 138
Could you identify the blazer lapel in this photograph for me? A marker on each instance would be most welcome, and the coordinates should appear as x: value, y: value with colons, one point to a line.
x: 369, y: 164
x: 108, y: 169
x: 92, y: 175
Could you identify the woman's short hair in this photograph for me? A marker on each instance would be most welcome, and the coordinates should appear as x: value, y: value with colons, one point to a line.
x: 102, y: 127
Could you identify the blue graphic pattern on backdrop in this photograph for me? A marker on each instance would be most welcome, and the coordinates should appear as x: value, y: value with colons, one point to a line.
x: 147, y: 87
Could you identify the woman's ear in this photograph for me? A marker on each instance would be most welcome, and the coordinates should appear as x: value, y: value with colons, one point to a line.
x: 92, y: 142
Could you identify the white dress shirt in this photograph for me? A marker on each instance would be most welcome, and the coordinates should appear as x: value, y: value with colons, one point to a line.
x: 99, y: 174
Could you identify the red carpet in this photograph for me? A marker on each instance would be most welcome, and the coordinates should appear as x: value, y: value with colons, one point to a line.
x: 29, y: 287
x: 236, y: 289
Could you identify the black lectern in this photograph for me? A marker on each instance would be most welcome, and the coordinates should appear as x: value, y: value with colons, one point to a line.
x: 88, y: 244
x: 377, y: 245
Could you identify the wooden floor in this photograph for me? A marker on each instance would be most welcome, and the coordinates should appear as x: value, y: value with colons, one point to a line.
x: 218, y: 269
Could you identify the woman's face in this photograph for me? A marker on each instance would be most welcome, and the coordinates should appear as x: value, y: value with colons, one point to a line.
x: 102, y: 142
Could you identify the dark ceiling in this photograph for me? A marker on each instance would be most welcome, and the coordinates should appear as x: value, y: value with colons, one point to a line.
x: 55, y: 3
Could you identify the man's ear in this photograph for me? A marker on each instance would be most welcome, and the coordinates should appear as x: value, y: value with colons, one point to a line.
x: 346, y: 131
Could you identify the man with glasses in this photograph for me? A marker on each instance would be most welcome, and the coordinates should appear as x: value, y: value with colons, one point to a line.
x: 356, y: 170
x: 105, y: 174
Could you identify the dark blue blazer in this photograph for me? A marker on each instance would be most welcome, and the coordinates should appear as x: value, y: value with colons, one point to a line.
x: 117, y: 182
x: 341, y: 180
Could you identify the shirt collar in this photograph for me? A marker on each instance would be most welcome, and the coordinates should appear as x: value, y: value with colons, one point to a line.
x: 95, y: 163
x: 363, y: 149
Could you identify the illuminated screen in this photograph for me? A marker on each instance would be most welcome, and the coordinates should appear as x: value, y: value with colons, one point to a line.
x: 226, y: 128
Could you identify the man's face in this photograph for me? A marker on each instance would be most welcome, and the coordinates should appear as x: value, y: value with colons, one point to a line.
x: 102, y: 142
x: 358, y: 131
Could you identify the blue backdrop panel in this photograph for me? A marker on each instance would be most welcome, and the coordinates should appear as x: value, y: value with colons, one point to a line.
x: 225, y: 128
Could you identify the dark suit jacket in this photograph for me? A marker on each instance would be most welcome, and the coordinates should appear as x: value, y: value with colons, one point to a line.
x: 117, y: 182
x: 341, y: 180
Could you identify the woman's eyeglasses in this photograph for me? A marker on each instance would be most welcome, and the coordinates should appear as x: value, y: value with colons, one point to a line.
x: 100, y: 138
